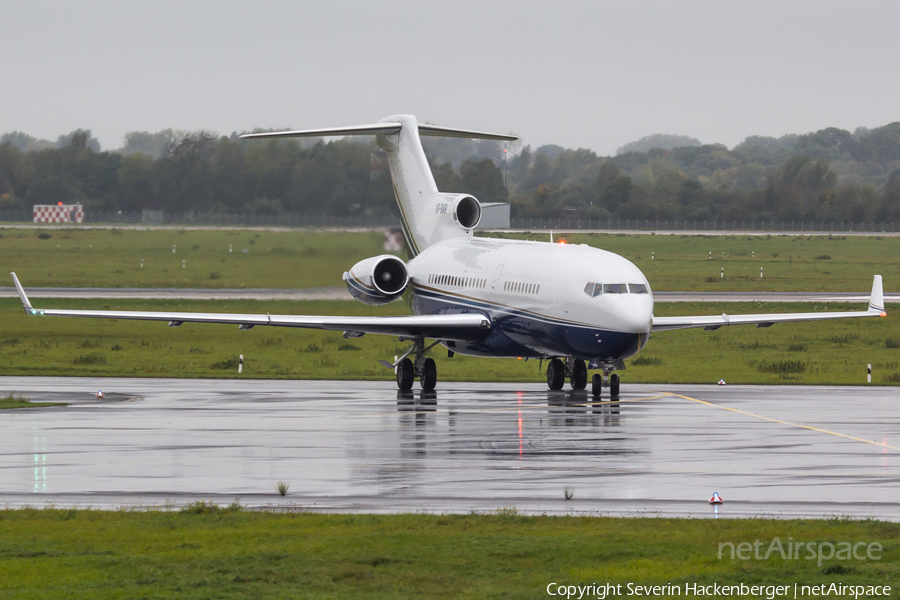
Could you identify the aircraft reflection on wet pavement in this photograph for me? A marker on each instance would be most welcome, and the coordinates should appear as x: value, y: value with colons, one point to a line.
x: 576, y: 409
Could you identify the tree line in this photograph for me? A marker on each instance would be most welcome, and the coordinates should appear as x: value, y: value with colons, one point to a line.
x: 828, y: 175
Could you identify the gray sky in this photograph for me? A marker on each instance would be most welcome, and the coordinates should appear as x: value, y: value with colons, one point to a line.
x: 580, y: 74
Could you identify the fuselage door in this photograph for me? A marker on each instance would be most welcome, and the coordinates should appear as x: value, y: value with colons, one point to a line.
x: 495, y: 280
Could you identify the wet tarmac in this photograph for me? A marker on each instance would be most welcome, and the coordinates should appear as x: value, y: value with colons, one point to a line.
x: 364, y: 447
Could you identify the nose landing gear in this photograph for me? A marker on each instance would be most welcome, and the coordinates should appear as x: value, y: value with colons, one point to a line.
x: 598, y: 382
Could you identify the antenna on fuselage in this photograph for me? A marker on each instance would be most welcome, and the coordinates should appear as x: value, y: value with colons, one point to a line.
x: 551, y: 236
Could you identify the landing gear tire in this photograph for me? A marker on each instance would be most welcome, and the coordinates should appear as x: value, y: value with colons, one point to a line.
x: 614, y: 385
x: 597, y: 385
x: 429, y: 376
x: 579, y: 375
x: 556, y: 374
x: 405, y: 375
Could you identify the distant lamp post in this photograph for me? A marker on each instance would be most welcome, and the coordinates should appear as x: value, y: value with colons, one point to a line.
x: 505, y: 166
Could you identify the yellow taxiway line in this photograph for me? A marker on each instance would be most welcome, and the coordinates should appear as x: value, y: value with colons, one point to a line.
x: 789, y: 423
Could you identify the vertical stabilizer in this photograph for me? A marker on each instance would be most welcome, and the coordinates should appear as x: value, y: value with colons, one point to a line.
x: 427, y: 215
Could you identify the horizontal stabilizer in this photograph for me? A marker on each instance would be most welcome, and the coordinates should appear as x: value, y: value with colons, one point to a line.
x: 435, y: 131
x: 373, y: 129
x: 384, y: 128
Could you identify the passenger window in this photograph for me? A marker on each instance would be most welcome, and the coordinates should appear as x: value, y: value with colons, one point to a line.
x: 615, y: 288
x: 638, y: 288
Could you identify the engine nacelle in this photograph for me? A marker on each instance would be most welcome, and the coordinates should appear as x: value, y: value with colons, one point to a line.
x: 466, y: 211
x: 377, y: 280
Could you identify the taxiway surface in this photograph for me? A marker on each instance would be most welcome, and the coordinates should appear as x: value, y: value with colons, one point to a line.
x: 362, y: 446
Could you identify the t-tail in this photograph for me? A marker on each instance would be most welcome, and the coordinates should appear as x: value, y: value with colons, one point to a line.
x: 427, y: 215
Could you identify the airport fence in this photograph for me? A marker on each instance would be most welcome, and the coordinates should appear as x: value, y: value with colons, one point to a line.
x: 364, y: 221
x: 567, y: 223
x: 212, y: 219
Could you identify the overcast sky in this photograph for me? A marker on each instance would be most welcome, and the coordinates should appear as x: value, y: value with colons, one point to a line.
x: 580, y: 74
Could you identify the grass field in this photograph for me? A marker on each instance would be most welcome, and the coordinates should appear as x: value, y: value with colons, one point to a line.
x: 790, y: 263
x: 835, y: 352
x: 112, y: 257
x: 15, y: 401
x: 203, y: 553
x: 303, y: 259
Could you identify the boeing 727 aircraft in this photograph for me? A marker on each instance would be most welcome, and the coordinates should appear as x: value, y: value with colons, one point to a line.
x: 579, y: 307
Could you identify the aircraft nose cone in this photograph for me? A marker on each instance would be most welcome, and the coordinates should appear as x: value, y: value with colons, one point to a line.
x: 635, y: 313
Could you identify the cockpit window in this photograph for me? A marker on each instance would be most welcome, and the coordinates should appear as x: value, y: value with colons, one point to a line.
x: 593, y: 289
x: 615, y: 288
x: 638, y: 288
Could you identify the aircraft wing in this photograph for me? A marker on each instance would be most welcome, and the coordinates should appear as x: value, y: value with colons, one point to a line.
x: 875, y: 309
x: 457, y: 327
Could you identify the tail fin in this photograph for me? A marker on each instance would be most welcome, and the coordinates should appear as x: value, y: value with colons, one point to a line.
x: 427, y: 215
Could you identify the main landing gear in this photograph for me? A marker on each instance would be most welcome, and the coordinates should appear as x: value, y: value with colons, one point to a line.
x: 423, y: 368
x: 576, y: 371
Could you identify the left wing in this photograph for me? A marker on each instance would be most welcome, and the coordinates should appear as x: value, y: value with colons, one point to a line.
x: 456, y: 327
x: 876, y: 309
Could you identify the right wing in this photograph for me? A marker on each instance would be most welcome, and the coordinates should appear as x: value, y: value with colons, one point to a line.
x: 711, y: 322
x: 456, y: 327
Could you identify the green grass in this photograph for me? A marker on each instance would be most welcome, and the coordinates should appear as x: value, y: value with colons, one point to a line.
x: 112, y: 257
x: 790, y: 263
x: 296, y: 259
x: 14, y: 401
x: 834, y: 352
x: 229, y: 553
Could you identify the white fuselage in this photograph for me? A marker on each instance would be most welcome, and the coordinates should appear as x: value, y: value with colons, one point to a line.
x: 538, y: 297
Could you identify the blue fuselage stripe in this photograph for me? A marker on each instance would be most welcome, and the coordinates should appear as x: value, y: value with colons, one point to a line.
x: 518, y: 333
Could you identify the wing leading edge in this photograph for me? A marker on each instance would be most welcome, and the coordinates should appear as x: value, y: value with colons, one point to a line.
x: 875, y: 309
x: 456, y: 327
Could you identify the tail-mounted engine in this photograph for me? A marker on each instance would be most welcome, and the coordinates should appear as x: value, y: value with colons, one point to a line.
x: 377, y: 280
x: 466, y: 210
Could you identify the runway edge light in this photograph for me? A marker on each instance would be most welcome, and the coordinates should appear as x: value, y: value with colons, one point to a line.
x: 722, y: 382
x: 716, y: 498
x: 99, y: 394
